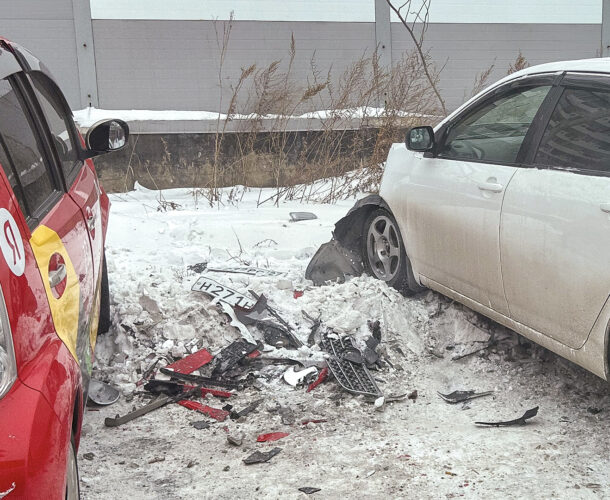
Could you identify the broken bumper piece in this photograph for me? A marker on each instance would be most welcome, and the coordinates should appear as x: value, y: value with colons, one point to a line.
x: 353, y: 377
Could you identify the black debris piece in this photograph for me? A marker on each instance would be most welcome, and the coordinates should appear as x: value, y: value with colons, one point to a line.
x: 353, y: 355
x: 197, y: 379
x: 198, y: 268
x: 201, y: 424
x: 461, y: 396
x: 231, y: 355
x: 158, y: 403
x: 249, y: 270
x: 259, y: 457
x: 333, y: 263
x: 166, y: 387
x: 375, y: 328
x: 308, y: 490
x: 274, y: 335
x: 518, y: 421
x: 289, y: 332
x: 370, y: 352
x: 353, y: 377
x: 594, y: 411
x: 247, y: 410
x: 315, y: 326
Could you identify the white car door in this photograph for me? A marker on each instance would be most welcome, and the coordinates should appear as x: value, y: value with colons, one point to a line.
x: 454, y: 199
x: 555, y: 231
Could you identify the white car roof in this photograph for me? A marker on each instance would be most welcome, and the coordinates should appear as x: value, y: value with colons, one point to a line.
x: 597, y: 65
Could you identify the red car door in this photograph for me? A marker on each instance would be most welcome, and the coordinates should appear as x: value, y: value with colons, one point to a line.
x: 36, y: 219
x: 62, y: 240
x: 83, y: 190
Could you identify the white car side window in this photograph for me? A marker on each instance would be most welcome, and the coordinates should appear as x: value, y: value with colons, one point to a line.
x: 495, y: 131
x: 578, y: 133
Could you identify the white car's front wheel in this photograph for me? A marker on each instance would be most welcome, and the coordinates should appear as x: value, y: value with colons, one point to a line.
x: 384, y: 254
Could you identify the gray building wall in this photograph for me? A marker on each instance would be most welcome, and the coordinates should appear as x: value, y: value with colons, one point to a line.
x: 175, y: 64
x: 146, y: 64
x: 466, y: 50
x: 46, y: 28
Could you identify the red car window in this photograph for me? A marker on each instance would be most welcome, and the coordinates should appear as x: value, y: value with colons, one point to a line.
x: 60, y: 124
x: 22, y: 156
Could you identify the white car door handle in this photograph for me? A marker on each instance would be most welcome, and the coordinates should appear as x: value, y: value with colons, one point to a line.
x: 494, y: 187
x: 605, y: 207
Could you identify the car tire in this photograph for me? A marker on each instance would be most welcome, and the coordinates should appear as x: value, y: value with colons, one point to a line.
x: 104, y: 321
x: 383, y: 253
x: 72, y: 480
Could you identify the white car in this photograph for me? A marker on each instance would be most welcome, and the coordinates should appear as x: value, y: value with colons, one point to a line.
x: 505, y: 207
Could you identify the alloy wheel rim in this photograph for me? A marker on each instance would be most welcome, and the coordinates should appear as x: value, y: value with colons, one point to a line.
x: 383, y: 248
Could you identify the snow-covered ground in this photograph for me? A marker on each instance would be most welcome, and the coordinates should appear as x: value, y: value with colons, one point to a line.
x: 412, y: 448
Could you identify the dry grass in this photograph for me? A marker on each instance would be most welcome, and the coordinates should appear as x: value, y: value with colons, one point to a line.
x: 368, y: 108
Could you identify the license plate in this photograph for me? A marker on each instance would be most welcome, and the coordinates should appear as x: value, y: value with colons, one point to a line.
x: 222, y: 292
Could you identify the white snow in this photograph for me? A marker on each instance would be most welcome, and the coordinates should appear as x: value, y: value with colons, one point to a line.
x: 422, y: 448
x: 441, y: 11
x: 88, y: 116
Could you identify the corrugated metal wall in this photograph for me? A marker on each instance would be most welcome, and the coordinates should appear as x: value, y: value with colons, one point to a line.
x: 173, y: 64
x: 468, y: 49
x: 46, y: 28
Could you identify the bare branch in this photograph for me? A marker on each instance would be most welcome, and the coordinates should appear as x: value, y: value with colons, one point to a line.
x: 419, y: 48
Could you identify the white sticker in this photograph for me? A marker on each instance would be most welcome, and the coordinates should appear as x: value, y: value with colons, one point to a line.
x: 11, y: 243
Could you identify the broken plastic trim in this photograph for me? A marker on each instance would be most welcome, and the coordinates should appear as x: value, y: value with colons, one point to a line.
x: 353, y: 377
x: 341, y: 257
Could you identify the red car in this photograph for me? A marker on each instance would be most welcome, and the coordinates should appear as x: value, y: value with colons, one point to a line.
x: 53, y: 282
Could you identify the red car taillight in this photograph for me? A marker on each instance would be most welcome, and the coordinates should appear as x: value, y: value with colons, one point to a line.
x: 8, y: 365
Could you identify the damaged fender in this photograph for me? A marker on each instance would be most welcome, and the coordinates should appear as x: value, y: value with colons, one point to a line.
x: 341, y: 257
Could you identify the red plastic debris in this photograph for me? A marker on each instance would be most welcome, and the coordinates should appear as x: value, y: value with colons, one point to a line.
x: 254, y: 354
x: 321, y: 378
x: 298, y: 293
x: 191, y: 362
x: 272, y: 436
x: 314, y: 421
x: 215, y: 413
x: 213, y: 392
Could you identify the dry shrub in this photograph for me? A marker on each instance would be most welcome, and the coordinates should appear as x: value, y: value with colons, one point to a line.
x: 367, y: 108
x: 519, y: 64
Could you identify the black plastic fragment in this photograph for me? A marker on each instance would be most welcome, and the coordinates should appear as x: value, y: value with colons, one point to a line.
x: 461, y: 396
x: 231, y: 355
x: 247, y: 410
x: 258, y: 457
x: 518, y: 421
x: 201, y: 424
x: 308, y: 490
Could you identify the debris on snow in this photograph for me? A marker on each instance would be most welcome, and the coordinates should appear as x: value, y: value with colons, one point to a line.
x: 271, y: 436
x: 461, y: 396
x: 518, y: 421
x: 102, y: 394
x: 259, y: 457
x: 294, y: 378
x: 299, y: 216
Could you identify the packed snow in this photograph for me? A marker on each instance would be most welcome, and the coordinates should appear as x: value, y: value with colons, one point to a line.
x: 415, y: 447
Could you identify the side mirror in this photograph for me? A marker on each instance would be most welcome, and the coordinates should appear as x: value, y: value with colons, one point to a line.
x: 420, y: 139
x: 106, y: 136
